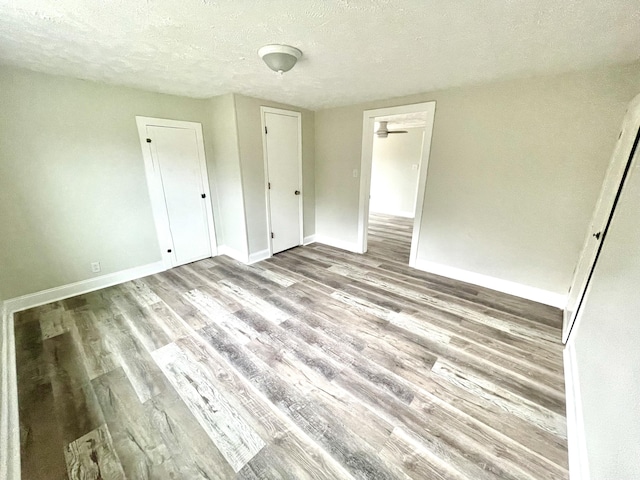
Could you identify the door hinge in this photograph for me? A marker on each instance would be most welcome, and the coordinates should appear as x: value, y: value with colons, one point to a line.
x: 265, y: 130
x: 272, y: 236
x: 204, y: 195
x: 148, y: 140
x: 269, y: 185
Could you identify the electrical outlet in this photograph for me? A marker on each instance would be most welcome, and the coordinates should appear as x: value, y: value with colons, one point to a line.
x: 95, y: 267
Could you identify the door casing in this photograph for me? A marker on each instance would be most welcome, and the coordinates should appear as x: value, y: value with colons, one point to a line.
x: 368, y: 123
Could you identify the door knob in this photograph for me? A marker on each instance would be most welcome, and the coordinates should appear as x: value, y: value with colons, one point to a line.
x: 169, y: 251
x: 597, y: 235
x: 297, y: 192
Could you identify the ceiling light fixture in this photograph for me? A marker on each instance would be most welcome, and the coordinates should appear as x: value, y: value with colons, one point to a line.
x: 279, y: 58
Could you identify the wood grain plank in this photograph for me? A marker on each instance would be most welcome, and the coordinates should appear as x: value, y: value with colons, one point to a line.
x: 418, y: 462
x: 295, y: 452
x: 144, y: 375
x: 195, y: 455
x: 507, y: 400
x: 140, y: 448
x: 75, y: 404
x: 92, y: 457
x: 141, y: 322
x: 39, y: 432
x: 236, y: 440
x: 315, y: 419
x: 98, y: 356
x: 449, y: 445
x: 53, y: 323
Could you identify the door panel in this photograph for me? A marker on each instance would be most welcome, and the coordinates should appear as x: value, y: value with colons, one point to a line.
x: 176, y: 151
x: 620, y: 161
x: 283, y: 167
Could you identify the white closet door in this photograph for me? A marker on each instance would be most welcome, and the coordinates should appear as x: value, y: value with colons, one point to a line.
x: 618, y: 167
x: 176, y: 152
x: 283, y: 172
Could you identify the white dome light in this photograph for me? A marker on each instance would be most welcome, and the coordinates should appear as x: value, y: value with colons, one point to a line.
x: 279, y: 58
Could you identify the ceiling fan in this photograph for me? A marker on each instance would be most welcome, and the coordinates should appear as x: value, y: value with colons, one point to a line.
x: 383, y: 131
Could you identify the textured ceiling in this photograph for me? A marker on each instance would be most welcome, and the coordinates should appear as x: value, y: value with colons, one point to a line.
x: 354, y: 51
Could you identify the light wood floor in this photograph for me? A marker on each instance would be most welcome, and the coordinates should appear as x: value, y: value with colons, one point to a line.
x: 317, y: 364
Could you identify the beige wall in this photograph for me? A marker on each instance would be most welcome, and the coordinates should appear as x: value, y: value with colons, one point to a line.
x: 252, y: 158
x: 514, y: 172
x: 394, y: 181
x: 224, y: 162
x: 72, y: 181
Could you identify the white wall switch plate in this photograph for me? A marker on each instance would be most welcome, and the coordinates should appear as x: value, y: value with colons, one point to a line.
x: 95, y: 267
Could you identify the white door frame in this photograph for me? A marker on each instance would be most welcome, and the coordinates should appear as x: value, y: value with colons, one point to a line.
x: 368, y: 126
x: 154, y: 184
x: 263, y: 111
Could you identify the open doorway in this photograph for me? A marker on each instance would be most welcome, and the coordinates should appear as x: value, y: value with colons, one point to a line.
x: 395, y: 152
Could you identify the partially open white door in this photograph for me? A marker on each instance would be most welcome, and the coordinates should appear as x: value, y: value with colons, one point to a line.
x: 283, y: 165
x: 176, y: 172
x: 618, y: 167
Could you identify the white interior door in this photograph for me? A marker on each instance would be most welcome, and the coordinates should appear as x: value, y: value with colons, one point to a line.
x: 283, y: 176
x: 618, y: 168
x: 178, y: 184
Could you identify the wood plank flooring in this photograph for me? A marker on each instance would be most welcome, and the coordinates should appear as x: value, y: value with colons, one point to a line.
x: 317, y: 363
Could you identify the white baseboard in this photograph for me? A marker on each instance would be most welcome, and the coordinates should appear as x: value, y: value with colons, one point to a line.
x: 337, y: 243
x: 258, y: 256
x: 309, y: 239
x: 578, y: 460
x: 233, y: 253
x: 9, y: 423
x: 78, y: 288
x: 505, y: 286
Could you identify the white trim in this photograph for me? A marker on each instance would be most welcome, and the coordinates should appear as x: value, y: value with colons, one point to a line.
x: 263, y: 111
x: 78, y: 288
x: 233, y: 253
x: 576, y: 439
x: 259, y: 256
x: 505, y: 286
x: 245, y: 225
x: 337, y: 243
x: 368, y: 124
x: 422, y: 186
x: 9, y: 423
x: 309, y: 239
x: 156, y: 191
